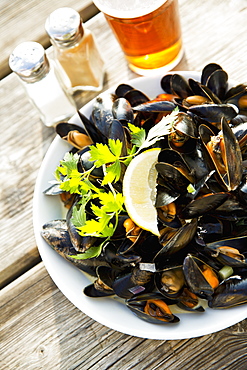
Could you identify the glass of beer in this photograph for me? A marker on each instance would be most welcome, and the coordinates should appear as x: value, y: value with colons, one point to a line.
x: 148, y: 32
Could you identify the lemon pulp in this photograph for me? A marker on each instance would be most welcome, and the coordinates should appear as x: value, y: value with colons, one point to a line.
x: 139, y: 190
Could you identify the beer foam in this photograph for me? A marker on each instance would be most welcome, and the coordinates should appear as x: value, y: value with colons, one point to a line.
x: 128, y: 8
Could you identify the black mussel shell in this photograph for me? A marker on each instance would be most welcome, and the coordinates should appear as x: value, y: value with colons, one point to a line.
x: 231, y: 252
x: 155, y: 106
x: 208, y: 70
x: 166, y: 83
x: 180, y: 86
x: 136, y: 97
x: 129, y: 283
x: 203, y: 204
x: 214, y: 112
x: 119, y: 261
x: 152, y: 308
x: 232, y: 292
x: 173, y: 240
x: 122, y: 89
x: 122, y: 110
x: 194, y: 277
x: 56, y: 234
x: 217, y: 82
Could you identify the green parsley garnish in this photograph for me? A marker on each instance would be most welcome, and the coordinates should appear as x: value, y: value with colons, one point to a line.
x: 104, y: 201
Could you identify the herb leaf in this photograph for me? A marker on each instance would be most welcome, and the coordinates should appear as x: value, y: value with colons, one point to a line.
x: 78, y: 213
x: 115, y: 146
x: 138, y: 135
x: 113, y: 173
x: 89, y: 253
x: 99, y: 228
x: 162, y: 128
x: 101, y: 154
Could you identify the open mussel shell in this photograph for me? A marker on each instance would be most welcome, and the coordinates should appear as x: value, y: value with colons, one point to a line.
x: 165, y: 196
x: 189, y: 301
x: 75, y: 135
x: 170, y: 281
x: 102, y: 286
x: 194, y: 274
x: 225, y: 154
x: 56, y: 234
x: 202, y: 95
x: 231, y: 252
x: 152, y: 308
x: 167, y: 213
x: 165, y: 83
x: 172, y: 177
x: 133, y: 281
x: 122, y: 89
x: 183, y: 137
x: 63, y: 128
x: 237, y: 95
x: 230, y: 293
x: 176, y: 161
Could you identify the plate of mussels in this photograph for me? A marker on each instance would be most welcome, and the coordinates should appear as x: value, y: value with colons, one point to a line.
x: 190, y: 278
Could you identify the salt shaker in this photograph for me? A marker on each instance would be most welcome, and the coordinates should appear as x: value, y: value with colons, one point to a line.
x: 37, y: 74
x: 75, y: 51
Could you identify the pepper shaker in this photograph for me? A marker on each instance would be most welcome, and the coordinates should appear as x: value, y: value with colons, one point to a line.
x: 75, y: 51
x: 37, y: 74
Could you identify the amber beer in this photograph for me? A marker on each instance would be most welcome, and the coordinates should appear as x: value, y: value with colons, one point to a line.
x: 149, y: 33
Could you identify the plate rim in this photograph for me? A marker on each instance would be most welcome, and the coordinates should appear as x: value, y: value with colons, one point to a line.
x: 166, y: 333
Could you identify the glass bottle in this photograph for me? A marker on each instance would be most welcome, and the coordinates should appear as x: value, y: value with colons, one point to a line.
x: 37, y: 74
x: 75, y: 51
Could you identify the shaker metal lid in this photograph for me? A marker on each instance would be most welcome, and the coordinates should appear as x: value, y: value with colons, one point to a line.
x: 29, y: 61
x: 64, y: 25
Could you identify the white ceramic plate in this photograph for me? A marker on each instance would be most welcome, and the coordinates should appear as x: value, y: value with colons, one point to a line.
x: 71, y: 281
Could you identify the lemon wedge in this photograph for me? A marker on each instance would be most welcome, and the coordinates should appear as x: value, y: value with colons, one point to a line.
x: 139, y: 190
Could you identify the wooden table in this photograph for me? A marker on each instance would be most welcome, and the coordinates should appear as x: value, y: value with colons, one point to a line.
x: 40, y: 328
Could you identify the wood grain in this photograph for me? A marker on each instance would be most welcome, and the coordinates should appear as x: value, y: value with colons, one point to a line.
x: 41, y: 329
x: 24, y: 21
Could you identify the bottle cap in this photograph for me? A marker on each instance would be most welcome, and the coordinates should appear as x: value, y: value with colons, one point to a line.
x: 64, y: 26
x: 29, y: 61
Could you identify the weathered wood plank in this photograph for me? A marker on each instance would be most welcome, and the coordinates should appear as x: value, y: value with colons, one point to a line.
x: 24, y: 21
x: 41, y: 329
